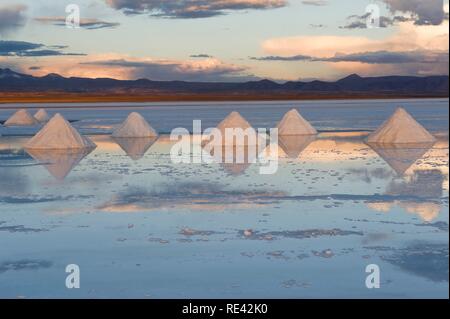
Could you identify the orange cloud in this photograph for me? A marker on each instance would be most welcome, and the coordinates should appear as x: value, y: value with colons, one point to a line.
x: 124, y: 67
x: 408, y: 38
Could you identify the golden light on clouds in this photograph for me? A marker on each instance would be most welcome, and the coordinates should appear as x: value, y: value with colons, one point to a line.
x: 408, y: 37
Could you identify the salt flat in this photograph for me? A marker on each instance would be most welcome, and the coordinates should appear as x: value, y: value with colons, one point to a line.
x: 144, y: 227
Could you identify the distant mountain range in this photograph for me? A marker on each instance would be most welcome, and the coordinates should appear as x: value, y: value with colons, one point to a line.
x: 438, y: 86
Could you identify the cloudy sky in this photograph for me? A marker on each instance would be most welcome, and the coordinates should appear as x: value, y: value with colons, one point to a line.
x: 226, y: 40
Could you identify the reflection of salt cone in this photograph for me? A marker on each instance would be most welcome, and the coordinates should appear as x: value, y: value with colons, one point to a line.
x: 235, y: 159
x: 135, y: 147
x: 421, y: 184
x: 235, y: 169
x: 294, y: 145
x: 59, y: 163
x: 400, y: 157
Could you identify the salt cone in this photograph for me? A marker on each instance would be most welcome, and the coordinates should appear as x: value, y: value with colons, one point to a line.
x: 59, y: 134
x: 235, y: 121
x: 21, y: 118
x: 293, y: 123
x: 401, y: 128
x: 134, y: 126
x: 41, y: 116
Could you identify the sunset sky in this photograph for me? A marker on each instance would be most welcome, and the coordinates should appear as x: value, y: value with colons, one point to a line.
x: 225, y: 40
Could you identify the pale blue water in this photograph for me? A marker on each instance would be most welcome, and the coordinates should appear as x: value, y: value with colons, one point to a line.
x: 150, y: 228
x: 324, y: 115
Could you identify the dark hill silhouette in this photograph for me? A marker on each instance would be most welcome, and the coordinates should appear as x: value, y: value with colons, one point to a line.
x: 11, y: 81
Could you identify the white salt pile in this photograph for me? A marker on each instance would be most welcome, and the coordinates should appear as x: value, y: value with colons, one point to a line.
x: 59, y: 134
x: 134, y: 126
x: 294, y: 124
x: 235, y: 121
x: 21, y: 118
x: 41, y: 116
x: 401, y: 128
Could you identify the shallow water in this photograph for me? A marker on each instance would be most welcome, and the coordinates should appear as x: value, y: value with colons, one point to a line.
x: 141, y: 226
x: 95, y: 118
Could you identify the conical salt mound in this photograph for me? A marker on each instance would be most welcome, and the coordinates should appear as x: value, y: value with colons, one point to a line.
x: 293, y: 123
x: 134, y: 126
x: 21, y: 118
x: 41, y: 116
x: 235, y: 121
x: 59, y: 134
x: 401, y: 128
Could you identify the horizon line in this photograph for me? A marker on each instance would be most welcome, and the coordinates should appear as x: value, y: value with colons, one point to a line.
x: 231, y: 82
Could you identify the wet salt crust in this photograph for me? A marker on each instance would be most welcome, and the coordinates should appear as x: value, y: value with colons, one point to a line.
x: 165, y: 230
x: 338, y: 206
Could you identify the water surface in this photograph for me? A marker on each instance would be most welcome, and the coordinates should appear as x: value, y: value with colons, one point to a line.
x: 140, y: 226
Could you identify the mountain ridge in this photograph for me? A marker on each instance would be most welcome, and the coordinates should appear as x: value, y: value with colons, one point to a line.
x: 437, y: 85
